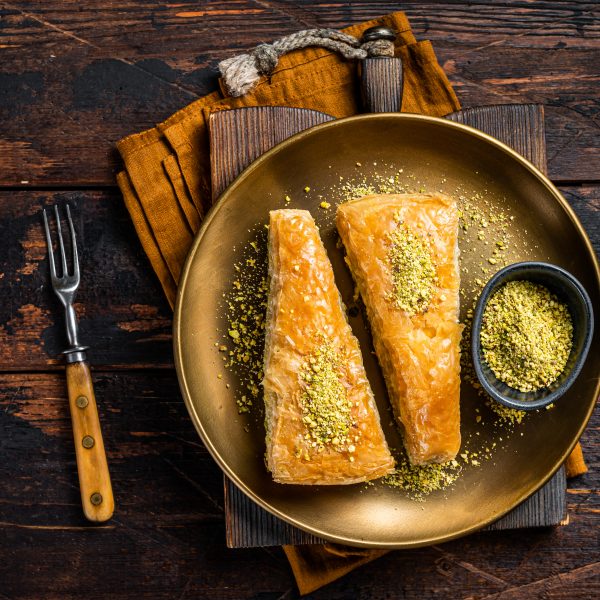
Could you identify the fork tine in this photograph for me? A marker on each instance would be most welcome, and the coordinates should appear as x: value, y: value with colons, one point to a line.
x: 73, y: 244
x: 63, y: 256
x: 49, y: 244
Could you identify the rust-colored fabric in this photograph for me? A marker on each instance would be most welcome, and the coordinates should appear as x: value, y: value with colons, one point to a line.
x: 575, y: 465
x: 166, y: 180
x: 316, y: 566
x: 166, y: 187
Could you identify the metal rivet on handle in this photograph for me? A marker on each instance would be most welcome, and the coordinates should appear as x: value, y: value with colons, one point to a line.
x: 88, y: 441
x: 96, y: 498
x: 82, y: 402
x: 378, y: 33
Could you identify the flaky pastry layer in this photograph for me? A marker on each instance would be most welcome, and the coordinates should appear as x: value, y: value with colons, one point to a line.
x: 419, y: 354
x: 304, y: 309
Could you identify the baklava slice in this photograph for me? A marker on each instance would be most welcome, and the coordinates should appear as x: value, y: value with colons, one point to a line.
x: 320, y: 415
x: 402, y: 250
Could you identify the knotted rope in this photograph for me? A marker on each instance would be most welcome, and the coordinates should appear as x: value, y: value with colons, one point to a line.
x: 241, y: 73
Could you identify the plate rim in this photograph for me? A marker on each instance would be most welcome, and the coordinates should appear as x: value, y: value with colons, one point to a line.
x: 226, y: 196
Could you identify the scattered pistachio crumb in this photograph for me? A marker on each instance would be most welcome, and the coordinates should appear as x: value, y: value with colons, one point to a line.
x: 246, y: 304
x: 420, y: 481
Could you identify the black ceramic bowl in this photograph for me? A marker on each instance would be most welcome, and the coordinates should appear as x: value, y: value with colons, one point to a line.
x: 568, y: 290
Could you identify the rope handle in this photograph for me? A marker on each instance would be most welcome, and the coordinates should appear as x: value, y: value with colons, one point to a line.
x: 241, y: 73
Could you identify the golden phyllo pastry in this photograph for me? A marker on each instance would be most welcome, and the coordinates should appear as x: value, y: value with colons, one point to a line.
x: 403, y: 253
x: 320, y: 415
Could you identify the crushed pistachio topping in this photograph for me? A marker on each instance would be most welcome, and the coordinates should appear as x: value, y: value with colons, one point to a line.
x: 526, y: 335
x: 413, y: 270
x: 326, y: 408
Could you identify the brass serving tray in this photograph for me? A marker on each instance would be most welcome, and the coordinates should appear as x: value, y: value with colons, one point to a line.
x: 440, y: 155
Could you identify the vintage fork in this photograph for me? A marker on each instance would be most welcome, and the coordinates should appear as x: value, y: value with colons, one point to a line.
x: 94, y: 478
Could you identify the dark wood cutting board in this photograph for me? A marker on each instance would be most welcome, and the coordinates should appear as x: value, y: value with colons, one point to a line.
x: 237, y: 137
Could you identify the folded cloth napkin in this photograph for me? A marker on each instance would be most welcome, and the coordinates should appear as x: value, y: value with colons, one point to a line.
x: 166, y: 181
x: 166, y: 188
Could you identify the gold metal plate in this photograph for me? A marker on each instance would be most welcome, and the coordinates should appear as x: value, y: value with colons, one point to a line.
x: 442, y: 155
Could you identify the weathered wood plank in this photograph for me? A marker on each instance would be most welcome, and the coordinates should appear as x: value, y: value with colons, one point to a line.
x: 249, y: 526
x: 167, y: 538
x: 256, y: 129
x: 500, y: 21
x: 123, y: 314
x: 381, y: 85
x: 76, y: 77
x: 100, y: 72
x: 521, y: 127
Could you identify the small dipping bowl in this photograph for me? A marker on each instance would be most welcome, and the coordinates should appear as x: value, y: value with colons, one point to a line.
x: 568, y: 290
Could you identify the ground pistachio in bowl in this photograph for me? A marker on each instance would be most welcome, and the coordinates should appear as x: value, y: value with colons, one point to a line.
x: 526, y: 335
x: 531, y: 333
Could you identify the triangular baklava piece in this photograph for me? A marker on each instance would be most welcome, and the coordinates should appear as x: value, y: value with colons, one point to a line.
x: 403, y: 253
x: 320, y: 415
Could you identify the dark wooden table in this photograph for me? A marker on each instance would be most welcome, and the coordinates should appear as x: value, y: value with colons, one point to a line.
x: 74, y: 78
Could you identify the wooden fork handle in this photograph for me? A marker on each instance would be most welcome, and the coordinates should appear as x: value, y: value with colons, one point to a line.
x: 94, y: 478
x: 381, y: 84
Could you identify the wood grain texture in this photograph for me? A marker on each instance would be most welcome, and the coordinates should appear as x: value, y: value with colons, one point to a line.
x: 123, y: 315
x: 167, y: 540
x: 381, y: 84
x: 239, y: 137
x: 76, y: 78
x: 520, y: 126
x: 249, y: 526
x: 122, y: 312
x: 94, y: 477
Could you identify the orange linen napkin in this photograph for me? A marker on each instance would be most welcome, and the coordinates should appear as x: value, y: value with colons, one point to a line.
x: 166, y: 187
x: 166, y: 181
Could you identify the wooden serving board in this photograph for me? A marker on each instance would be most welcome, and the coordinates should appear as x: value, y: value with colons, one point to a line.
x: 237, y: 137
